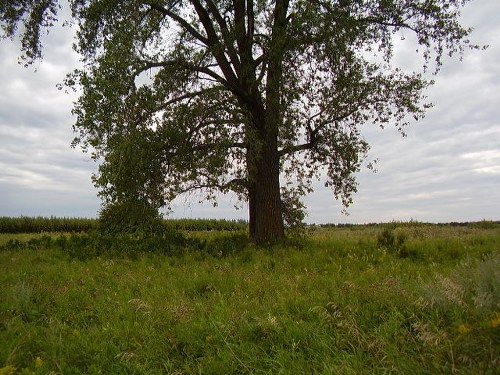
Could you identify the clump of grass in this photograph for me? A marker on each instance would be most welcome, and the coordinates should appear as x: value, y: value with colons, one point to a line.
x: 391, y: 240
x: 474, y: 285
x: 465, y: 305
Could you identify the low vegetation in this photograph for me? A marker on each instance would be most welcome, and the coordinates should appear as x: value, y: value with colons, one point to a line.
x: 397, y: 298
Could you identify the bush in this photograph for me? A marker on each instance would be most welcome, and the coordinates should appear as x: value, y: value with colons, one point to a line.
x: 130, y: 216
x: 394, y: 242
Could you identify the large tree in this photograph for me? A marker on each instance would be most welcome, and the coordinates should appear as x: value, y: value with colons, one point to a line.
x: 251, y: 96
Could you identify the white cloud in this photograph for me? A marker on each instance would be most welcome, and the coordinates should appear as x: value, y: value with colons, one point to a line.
x: 487, y: 161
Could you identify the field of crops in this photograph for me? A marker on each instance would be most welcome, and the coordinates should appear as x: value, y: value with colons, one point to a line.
x: 26, y: 224
x: 403, y: 298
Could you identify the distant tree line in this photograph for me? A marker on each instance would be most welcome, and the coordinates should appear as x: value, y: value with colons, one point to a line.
x: 485, y: 224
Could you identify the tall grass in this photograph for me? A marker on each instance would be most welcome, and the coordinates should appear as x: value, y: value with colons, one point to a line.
x: 339, y: 302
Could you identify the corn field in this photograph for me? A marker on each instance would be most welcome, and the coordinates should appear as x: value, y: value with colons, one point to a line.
x: 25, y: 224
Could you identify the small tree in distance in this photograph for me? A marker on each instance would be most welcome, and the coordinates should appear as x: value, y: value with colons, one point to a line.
x: 250, y: 96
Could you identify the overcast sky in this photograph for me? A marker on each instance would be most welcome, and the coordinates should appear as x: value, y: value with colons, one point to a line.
x: 446, y: 169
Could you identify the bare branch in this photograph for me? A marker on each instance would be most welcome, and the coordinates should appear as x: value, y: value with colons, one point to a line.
x: 381, y: 22
x: 250, y: 19
x: 296, y: 148
x: 262, y: 73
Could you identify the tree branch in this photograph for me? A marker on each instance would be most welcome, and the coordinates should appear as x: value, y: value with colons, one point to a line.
x: 381, y: 22
x: 226, y: 34
x: 296, y: 148
x: 313, y: 132
x: 230, y: 185
x: 189, y: 95
x: 183, y: 64
x: 216, y: 46
x: 250, y: 20
x: 208, y: 146
x: 181, y: 21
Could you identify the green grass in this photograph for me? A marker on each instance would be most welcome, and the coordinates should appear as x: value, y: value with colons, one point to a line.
x: 338, y: 302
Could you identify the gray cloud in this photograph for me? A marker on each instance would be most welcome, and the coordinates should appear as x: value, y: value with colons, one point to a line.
x: 39, y: 173
x: 446, y: 169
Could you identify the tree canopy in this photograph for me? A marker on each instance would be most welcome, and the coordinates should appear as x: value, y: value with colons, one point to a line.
x: 251, y: 96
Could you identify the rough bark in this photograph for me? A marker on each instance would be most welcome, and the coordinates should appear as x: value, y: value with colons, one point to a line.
x: 266, y: 215
x: 265, y: 210
x: 263, y: 159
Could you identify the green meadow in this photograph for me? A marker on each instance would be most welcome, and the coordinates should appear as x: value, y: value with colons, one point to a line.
x: 400, y: 298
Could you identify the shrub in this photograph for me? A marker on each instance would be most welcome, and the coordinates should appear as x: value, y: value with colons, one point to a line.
x: 386, y: 239
x: 394, y: 242
x: 130, y: 216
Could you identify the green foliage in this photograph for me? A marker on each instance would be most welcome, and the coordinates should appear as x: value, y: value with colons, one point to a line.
x: 120, y: 245
x: 294, y: 211
x: 130, y: 216
x: 132, y: 171
x: 488, y: 224
x: 165, y: 239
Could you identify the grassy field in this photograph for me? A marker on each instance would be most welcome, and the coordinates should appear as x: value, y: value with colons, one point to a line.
x: 407, y: 299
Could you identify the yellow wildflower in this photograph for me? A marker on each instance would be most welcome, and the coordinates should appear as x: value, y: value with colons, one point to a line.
x: 8, y: 370
x: 38, y: 362
x: 464, y: 328
x: 495, y: 322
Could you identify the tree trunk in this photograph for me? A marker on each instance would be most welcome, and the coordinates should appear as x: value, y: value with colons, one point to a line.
x: 263, y: 161
x: 264, y: 194
x: 265, y: 213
